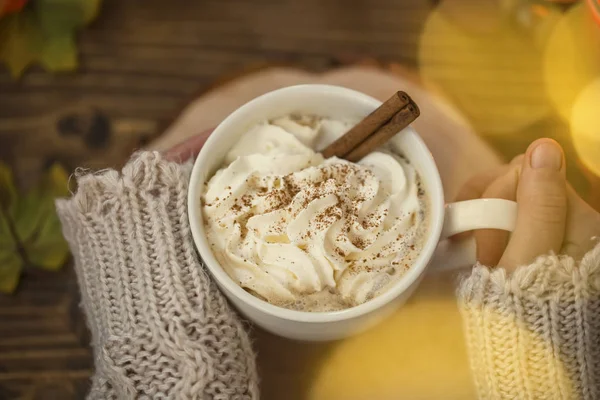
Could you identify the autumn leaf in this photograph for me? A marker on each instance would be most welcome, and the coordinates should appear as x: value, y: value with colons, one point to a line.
x: 35, y: 206
x: 44, y: 32
x: 11, y: 6
x: 30, y: 231
x: 10, y: 270
x: 41, y: 236
x: 47, y: 248
x: 8, y: 192
x: 10, y: 262
x: 19, y: 41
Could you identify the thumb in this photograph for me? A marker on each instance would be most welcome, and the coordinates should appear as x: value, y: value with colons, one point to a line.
x: 542, y: 205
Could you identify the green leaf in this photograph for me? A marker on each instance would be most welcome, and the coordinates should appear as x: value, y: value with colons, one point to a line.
x: 10, y: 271
x: 7, y: 241
x: 44, y: 32
x: 55, y: 182
x: 60, y: 16
x: 48, y: 249
x: 60, y: 53
x: 66, y: 14
x: 10, y: 262
x: 8, y: 193
x: 27, y: 215
x: 37, y: 225
x: 30, y: 213
x: 20, y: 41
x: 90, y: 10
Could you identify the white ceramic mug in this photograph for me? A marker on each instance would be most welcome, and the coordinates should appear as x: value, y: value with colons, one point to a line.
x: 445, y: 220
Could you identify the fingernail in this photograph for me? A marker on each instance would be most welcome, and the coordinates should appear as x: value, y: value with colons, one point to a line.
x: 546, y: 155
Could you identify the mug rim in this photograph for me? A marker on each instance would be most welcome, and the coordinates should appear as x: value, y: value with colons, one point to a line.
x: 195, y: 217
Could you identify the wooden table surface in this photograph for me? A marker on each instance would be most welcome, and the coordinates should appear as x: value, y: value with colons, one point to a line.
x: 141, y: 62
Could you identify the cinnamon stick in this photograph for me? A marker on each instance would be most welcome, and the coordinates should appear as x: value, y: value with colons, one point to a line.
x: 365, y: 128
x: 398, y: 122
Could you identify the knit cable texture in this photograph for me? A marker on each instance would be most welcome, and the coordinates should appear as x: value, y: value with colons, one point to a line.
x: 160, y: 327
x: 535, y: 334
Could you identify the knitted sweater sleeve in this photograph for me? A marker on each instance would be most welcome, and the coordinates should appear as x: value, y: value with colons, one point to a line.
x: 535, y: 334
x: 160, y: 328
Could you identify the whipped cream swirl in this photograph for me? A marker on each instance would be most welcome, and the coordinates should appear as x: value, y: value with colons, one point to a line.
x: 286, y: 223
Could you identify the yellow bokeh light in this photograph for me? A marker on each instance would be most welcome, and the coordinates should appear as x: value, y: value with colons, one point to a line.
x: 571, y: 58
x: 585, y: 126
x: 421, y: 343
x: 419, y: 353
x: 494, y: 77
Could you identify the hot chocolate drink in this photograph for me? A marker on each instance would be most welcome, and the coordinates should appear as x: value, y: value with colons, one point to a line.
x: 308, y: 233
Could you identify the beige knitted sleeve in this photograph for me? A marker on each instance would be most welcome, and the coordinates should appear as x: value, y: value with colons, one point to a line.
x: 160, y: 328
x: 535, y: 334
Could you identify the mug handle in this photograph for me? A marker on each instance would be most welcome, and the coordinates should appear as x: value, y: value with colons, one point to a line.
x: 466, y: 216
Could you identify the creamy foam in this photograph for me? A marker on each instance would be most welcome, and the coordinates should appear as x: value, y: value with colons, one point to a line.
x: 308, y: 233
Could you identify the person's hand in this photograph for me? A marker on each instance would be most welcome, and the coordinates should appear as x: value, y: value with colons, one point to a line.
x: 187, y: 149
x: 551, y: 217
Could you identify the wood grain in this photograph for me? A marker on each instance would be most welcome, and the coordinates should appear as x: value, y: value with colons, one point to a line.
x: 142, y: 61
x: 44, y: 349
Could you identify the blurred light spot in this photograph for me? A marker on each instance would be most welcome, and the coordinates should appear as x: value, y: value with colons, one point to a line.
x: 571, y: 58
x: 494, y: 77
x: 585, y: 126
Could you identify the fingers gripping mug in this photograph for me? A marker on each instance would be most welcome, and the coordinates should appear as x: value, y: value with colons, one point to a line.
x: 436, y: 253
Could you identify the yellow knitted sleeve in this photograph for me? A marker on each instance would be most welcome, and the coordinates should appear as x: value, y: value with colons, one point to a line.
x: 535, y: 334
